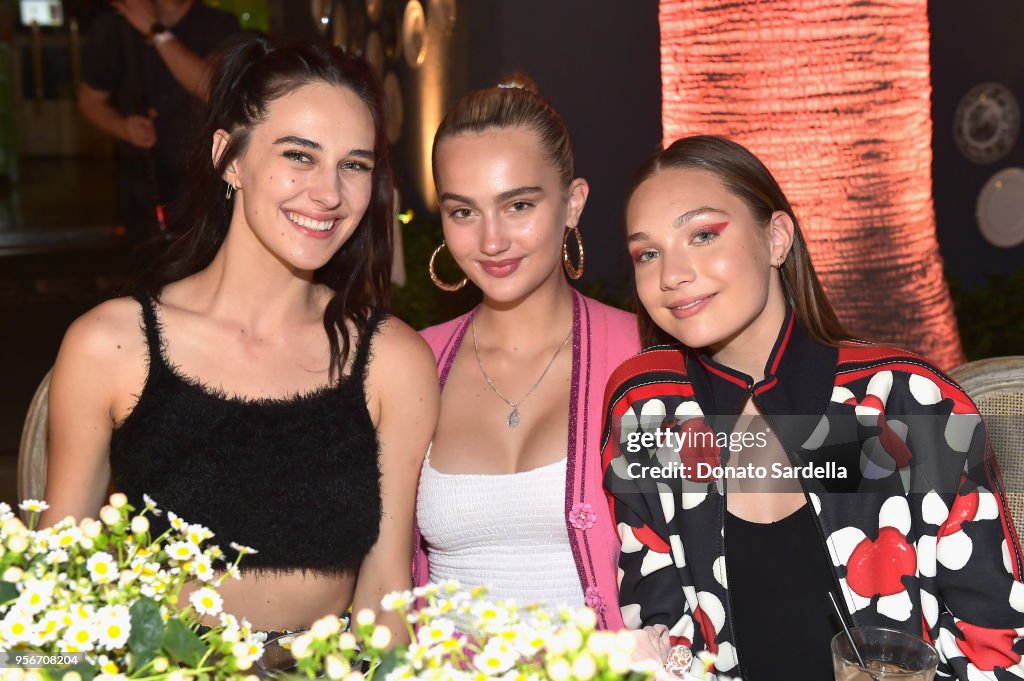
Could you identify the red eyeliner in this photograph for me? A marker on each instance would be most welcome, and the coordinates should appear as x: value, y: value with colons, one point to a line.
x: 715, y: 229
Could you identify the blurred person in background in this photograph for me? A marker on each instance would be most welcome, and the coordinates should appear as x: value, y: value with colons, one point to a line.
x: 144, y: 64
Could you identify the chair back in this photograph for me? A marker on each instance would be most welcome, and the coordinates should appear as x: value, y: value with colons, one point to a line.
x: 32, y: 451
x: 997, y: 386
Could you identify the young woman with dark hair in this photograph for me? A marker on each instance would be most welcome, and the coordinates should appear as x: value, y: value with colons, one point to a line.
x: 255, y: 384
x: 903, y: 516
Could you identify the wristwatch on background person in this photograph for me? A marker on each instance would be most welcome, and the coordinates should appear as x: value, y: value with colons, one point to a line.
x: 158, y: 34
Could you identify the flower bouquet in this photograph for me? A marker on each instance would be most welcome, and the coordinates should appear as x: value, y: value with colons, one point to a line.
x: 457, y: 635
x: 99, y: 599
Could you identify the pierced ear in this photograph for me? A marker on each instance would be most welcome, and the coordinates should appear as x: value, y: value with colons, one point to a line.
x: 780, y: 233
x: 578, y: 192
x: 221, y: 138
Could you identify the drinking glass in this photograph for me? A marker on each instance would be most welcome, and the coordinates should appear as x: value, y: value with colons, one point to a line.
x: 887, y: 653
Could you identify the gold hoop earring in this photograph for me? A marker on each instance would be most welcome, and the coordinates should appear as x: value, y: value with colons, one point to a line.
x: 573, y: 272
x: 444, y: 286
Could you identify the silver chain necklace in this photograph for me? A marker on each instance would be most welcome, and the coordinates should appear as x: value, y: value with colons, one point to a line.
x: 513, y: 418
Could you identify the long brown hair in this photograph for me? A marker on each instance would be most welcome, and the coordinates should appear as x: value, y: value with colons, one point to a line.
x: 744, y: 176
x: 252, y: 72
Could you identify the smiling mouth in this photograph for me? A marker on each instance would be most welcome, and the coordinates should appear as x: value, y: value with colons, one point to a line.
x: 692, y: 304
x: 310, y: 223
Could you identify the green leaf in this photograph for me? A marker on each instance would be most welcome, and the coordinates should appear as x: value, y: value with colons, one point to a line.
x: 8, y: 591
x: 388, y: 662
x: 182, y: 644
x: 147, y: 630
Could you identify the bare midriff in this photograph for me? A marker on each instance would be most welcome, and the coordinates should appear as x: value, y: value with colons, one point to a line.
x: 281, y: 601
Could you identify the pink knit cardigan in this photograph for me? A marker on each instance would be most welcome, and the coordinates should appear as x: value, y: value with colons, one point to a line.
x: 603, y: 337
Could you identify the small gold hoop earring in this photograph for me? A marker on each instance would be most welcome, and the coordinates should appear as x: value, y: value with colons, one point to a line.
x: 227, y: 192
x: 444, y: 286
x: 572, y: 271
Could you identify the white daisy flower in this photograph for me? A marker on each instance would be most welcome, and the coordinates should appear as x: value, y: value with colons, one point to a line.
x: 206, y: 601
x: 113, y: 625
x: 202, y: 568
x: 33, y: 505
x: 151, y: 505
x: 495, y: 658
x: 197, y: 534
x: 69, y: 537
x: 36, y: 595
x: 48, y: 628
x: 242, y: 549
x: 57, y: 557
x: 181, y: 550
x: 16, y: 628
x: 5, y: 511
x: 79, y: 637
x: 176, y: 522
x: 102, y: 568
x: 433, y: 633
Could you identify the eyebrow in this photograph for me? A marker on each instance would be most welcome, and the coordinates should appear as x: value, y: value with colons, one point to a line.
x: 695, y: 213
x: 310, y: 144
x: 680, y: 221
x: 503, y: 196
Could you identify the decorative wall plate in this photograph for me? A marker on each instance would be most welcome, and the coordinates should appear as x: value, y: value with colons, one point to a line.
x: 394, y: 113
x: 414, y: 34
x: 986, y: 123
x: 1000, y: 208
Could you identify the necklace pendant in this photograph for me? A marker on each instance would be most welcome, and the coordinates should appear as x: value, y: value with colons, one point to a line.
x: 513, y: 418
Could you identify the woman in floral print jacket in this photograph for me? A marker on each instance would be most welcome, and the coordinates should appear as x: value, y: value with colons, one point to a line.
x: 897, y: 506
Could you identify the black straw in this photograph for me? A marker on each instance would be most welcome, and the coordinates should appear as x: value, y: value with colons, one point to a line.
x: 849, y: 636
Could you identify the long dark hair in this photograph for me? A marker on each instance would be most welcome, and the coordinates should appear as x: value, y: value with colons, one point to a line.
x: 744, y: 176
x: 252, y: 72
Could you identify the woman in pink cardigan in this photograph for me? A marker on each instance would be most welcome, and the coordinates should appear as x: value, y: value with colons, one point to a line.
x: 511, y: 493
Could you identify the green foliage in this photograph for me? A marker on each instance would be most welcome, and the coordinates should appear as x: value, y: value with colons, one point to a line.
x: 419, y: 303
x: 991, y: 317
x: 182, y: 644
x: 147, y: 630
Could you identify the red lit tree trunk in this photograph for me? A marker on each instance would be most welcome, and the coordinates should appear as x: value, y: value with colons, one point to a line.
x: 834, y: 97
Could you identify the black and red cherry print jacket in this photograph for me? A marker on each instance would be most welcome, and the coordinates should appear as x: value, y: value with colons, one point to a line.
x: 918, y: 537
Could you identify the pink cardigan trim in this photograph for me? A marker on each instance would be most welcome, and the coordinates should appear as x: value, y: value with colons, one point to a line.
x: 603, y: 337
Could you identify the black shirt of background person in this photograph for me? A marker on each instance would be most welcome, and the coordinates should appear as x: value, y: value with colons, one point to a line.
x: 118, y: 59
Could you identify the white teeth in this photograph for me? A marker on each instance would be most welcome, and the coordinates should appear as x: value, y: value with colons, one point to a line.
x: 688, y: 305
x: 309, y: 223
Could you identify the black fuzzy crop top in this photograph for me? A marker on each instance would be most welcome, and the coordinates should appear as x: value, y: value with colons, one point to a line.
x: 297, y: 479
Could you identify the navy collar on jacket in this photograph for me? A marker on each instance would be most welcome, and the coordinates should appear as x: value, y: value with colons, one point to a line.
x: 798, y: 380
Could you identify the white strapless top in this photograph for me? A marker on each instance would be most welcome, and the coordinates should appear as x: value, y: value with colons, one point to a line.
x: 507, y: 532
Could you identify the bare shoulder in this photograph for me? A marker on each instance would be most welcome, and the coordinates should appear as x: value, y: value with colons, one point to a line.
x: 108, y: 332
x: 402, y: 372
x: 398, y: 348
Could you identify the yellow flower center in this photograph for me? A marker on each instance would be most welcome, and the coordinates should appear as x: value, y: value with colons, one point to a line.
x: 101, y: 568
x: 82, y: 636
x: 113, y: 631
